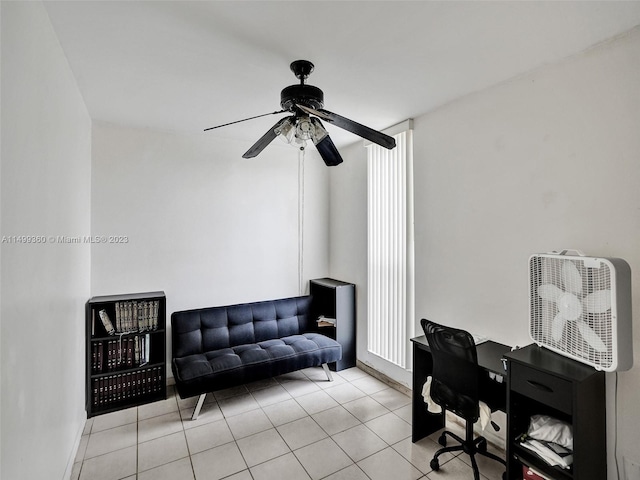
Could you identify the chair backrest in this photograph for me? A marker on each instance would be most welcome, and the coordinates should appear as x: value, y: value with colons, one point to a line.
x: 454, y: 384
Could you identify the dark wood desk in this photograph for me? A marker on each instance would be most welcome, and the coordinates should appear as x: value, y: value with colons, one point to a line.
x: 490, y: 355
x: 538, y: 381
x: 544, y: 382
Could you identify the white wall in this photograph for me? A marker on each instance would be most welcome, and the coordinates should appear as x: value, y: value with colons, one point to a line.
x: 543, y: 162
x: 549, y: 161
x: 45, y: 187
x: 203, y: 224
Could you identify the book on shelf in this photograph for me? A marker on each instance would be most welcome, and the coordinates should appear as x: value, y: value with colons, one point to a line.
x: 106, y: 321
x: 130, y: 317
x: 137, y: 315
x: 147, y: 345
x: 129, y: 354
x: 325, y: 321
x: 122, y: 386
x: 123, y: 353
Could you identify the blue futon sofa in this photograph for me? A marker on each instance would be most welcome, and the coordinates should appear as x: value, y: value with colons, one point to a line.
x: 221, y: 347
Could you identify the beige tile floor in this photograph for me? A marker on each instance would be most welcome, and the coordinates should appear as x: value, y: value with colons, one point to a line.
x: 297, y: 426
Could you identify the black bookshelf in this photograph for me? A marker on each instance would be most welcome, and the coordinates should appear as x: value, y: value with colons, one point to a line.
x: 125, y: 351
x: 336, y: 300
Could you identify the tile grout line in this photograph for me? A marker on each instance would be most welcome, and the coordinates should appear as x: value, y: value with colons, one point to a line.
x: 363, y: 423
x: 184, y: 432
x: 308, y: 377
x: 354, y: 463
x: 329, y: 436
x: 309, y: 415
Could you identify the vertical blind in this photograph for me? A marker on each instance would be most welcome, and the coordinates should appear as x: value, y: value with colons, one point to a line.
x: 390, y: 252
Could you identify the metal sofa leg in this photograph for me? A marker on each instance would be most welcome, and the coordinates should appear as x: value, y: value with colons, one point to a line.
x: 327, y: 371
x: 196, y: 411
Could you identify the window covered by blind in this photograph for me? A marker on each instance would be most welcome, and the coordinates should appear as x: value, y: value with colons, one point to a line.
x: 390, y: 248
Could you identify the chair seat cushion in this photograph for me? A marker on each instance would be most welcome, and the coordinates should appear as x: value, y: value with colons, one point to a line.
x: 232, y: 366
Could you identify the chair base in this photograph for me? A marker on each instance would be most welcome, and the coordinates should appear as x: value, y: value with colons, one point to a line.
x: 470, y: 445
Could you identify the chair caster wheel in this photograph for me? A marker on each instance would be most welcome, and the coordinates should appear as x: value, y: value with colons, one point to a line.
x: 442, y: 440
x: 482, y: 446
x: 435, y: 465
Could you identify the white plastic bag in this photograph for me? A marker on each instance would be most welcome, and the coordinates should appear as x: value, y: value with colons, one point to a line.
x: 549, y: 429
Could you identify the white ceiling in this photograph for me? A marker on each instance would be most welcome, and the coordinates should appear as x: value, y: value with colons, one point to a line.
x: 187, y: 65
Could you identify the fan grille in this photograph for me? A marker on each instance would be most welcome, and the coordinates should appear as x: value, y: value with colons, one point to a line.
x: 595, y: 311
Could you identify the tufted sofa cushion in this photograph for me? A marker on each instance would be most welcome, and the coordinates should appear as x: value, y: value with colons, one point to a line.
x: 219, y: 347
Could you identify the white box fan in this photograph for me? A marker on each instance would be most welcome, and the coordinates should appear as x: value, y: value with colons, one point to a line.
x: 580, y: 307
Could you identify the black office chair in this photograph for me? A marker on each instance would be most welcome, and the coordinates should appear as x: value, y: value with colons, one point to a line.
x: 455, y: 386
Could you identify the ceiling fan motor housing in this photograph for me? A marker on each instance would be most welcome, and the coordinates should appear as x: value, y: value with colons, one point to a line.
x: 302, y: 94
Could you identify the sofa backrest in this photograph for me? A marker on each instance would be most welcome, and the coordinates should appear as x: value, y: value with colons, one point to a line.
x: 207, y: 329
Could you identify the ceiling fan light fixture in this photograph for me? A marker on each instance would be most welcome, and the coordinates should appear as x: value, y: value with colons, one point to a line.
x: 319, y: 132
x: 286, y: 131
x: 299, y: 142
x: 304, y: 128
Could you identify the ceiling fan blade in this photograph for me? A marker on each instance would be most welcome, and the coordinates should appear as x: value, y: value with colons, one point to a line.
x: 329, y: 152
x: 351, y: 126
x: 265, y: 140
x: 324, y: 144
x: 244, y: 120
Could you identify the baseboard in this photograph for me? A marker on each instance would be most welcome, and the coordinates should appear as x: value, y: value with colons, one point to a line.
x: 74, y: 452
x: 383, y: 378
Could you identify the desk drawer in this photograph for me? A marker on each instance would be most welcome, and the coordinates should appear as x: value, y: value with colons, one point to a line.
x: 541, y: 386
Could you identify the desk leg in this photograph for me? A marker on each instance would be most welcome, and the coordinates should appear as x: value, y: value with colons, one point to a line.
x: 423, y: 423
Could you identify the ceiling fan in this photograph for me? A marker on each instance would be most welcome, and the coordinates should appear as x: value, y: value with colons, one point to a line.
x: 305, y: 102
